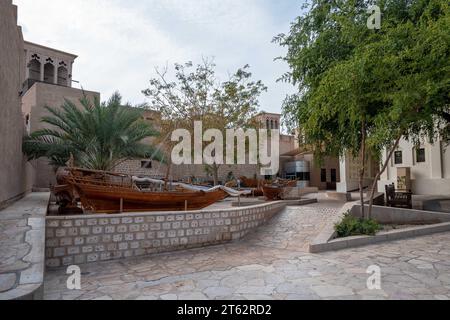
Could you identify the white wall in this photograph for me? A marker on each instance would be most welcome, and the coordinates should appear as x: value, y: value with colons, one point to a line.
x: 445, y: 161
x: 349, y: 173
x: 431, y: 177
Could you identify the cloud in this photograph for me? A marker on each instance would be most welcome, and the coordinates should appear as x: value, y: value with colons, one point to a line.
x: 119, y: 43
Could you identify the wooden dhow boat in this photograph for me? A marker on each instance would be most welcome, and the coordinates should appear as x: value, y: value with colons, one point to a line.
x: 255, y: 185
x: 250, y: 183
x: 273, y: 193
x: 107, y: 192
x: 277, y: 190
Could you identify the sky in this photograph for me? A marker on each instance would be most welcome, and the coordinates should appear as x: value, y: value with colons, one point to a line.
x: 120, y: 42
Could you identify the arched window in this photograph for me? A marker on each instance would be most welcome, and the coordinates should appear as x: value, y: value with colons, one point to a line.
x: 268, y: 124
x: 271, y: 124
x: 62, y: 76
x: 276, y: 124
x: 27, y: 123
x: 49, y: 73
x: 34, y: 68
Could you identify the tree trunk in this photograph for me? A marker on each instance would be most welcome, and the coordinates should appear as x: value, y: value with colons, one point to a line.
x: 215, y: 170
x: 386, y: 163
x: 169, y: 169
x: 363, y: 169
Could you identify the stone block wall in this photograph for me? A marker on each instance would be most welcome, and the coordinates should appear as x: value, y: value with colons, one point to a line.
x: 91, y: 238
x: 182, y: 172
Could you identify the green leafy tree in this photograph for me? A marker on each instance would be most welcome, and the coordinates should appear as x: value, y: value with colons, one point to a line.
x: 320, y: 44
x: 98, y: 136
x: 365, y: 89
x: 412, y: 52
x: 196, y: 94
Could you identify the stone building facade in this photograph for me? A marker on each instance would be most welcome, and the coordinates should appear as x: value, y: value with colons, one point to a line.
x: 429, y: 165
x: 31, y: 77
x: 349, y: 172
x: 325, y: 175
x: 15, y: 178
x: 269, y: 120
x: 34, y: 100
x: 147, y: 167
x: 47, y: 65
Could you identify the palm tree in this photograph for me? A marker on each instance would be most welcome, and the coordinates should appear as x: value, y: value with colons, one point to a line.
x: 99, y: 136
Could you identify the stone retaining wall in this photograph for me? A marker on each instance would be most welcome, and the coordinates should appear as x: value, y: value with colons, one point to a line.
x: 389, y: 215
x: 434, y: 222
x: 85, y: 239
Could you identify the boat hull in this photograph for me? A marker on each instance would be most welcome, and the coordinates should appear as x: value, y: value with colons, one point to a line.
x: 273, y: 193
x: 118, y: 199
x: 250, y: 183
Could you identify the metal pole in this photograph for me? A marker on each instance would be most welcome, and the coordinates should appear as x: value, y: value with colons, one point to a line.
x: 121, y: 205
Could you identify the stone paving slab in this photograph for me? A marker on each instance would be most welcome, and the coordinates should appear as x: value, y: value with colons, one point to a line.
x: 433, y: 222
x: 272, y: 263
x: 22, y: 247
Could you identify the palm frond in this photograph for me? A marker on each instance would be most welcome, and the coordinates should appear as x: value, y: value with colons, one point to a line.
x: 98, y: 135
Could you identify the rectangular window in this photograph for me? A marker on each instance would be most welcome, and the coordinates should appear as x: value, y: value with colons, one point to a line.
x: 421, y: 155
x: 303, y: 176
x: 398, y: 157
x: 323, y: 175
x: 146, y: 164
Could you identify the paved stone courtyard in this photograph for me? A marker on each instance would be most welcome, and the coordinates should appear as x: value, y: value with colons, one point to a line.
x: 22, y: 242
x: 271, y: 263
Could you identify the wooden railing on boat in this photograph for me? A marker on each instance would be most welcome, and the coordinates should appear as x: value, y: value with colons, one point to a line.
x: 109, y: 192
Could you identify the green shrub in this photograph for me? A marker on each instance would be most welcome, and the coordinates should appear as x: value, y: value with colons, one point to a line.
x: 352, y: 226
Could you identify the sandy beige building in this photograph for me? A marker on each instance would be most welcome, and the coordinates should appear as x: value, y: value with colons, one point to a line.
x: 34, y: 100
x: 15, y: 178
x: 48, y: 82
x: 324, y: 176
x: 43, y: 77
x: 147, y: 167
x: 32, y: 76
x: 44, y: 64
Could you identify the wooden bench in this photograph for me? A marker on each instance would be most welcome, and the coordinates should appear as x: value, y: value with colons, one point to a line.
x: 397, y: 199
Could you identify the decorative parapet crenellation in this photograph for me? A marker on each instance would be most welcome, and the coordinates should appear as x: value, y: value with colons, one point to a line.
x: 86, y: 239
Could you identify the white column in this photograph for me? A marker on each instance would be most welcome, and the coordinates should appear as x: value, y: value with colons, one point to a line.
x: 55, y: 74
x: 436, y: 160
x: 42, y: 69
x: 342, y: 185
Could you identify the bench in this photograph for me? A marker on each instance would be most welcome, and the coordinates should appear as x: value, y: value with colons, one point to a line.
x: 398, y: 199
